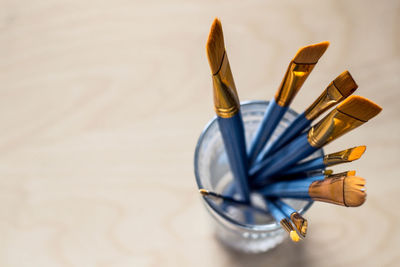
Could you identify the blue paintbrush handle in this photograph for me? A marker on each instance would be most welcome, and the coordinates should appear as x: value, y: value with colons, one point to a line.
x: 232, y: 132
x: 294, y: 129
x: 310, y: 165
x: 229, y: 191
x: 291, y: 189
x: 272, y: 117
x: 275, y: 211
x: 285, y: 208
x: 290, y: 154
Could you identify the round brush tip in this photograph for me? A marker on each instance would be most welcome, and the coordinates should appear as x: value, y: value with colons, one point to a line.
x: 294, y: 236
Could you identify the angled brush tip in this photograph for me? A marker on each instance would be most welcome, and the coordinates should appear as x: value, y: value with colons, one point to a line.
x: 345, y: 83
x: 300, y: 223
x: 351, y: 173
x: 354, y: 191
x: 357, y: 152
x: 359, y: 107
x: 310, y: 54
x: 215, y: 46
x: 304, y: 228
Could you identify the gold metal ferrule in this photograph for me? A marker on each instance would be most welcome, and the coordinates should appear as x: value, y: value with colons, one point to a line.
x: 338, y: 157
x: 226, y: 100
x: 338, y: 175
x: 329, y: 97
x: 286, y: 225
x: 334, y: 125
x: 300, y: 223
x: 294, y: 78
x: 328, y: 190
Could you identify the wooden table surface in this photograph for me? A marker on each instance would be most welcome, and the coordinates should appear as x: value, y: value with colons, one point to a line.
x: 102, y: 102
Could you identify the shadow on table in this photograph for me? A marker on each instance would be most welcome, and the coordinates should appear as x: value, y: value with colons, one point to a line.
x: 285, y: 254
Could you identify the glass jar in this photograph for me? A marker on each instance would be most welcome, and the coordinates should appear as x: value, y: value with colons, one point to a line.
x: 213, y: 173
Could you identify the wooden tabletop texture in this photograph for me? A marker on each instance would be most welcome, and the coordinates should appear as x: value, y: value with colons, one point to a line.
x: 102, y: 102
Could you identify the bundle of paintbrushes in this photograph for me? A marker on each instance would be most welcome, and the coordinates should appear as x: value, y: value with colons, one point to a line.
x: 277, y: 168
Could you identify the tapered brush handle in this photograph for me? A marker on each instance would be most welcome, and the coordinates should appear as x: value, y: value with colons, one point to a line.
x: 271, y: 119
x: 232, y: 132
x: 290, y: 154
x: 310, y: 165
x: 275, y: 211
x: 292, y: 189
x: 285, y: 208
x: 228, y: 191
x: 296, y: 127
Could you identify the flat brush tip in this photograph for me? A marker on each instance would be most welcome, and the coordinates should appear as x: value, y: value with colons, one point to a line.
x: 357, y: 152
x: 215, y: 46
x: 345, y: 83
x: 359, y: 107
x: 310, y: 54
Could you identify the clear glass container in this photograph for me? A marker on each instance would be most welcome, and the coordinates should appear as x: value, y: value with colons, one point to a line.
x: 213, y: 173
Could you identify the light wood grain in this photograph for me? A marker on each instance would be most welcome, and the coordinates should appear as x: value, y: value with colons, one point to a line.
x: 101, y: 104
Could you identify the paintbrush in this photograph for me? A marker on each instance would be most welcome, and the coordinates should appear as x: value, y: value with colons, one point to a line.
x: 323, y: 175
x: 346, y: 191
x: 350, y: 114
x: 332, y: 159
x: 274, y: 210
x: 281, y: 218
x: 222, y: 199
x: 341, y: 174
x: 302, y: 176
x: 297, y: 72
x: 340, y: 88
x: 299, y: 222
x: 227, y: 108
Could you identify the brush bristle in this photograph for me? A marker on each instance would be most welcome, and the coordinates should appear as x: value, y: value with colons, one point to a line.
x: 310, y: 54
x: 357, y: 152
x: 304, y: 228
x: 354, y: 191
x: 300, y: 223
x: 345, y: 83
x: 215, y: 46
x: 359, y: 107
x: 294, y: 236
x: 203, y: 192
x: 351, y: 173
